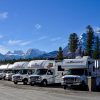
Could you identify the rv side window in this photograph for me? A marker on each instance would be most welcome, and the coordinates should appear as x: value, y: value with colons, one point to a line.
x: 60, y: 68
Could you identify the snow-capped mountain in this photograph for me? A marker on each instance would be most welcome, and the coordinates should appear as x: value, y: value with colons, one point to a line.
x: 33, y: 53
x: 66, y: 51
x: 17, y: 54
x: 2, y: 57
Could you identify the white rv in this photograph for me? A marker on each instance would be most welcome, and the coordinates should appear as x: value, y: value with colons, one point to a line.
x: 9, y: 72
x: 3, y: 70
x: 77, y: 70
x: 21, y: 68
x: 47, y: 72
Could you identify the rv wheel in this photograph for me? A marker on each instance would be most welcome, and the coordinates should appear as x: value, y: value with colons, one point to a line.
x: 15, y: 82
x: 32, y: 83
x: 44, y: 83
x: 83, y: 85
x: 4, y: 77
x: 25, y: 81
x: 65, y: 87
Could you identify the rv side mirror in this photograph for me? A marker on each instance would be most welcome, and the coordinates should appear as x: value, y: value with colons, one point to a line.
x: 49, y: 72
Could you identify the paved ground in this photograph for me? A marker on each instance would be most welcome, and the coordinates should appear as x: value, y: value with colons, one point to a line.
x: 9, y: 91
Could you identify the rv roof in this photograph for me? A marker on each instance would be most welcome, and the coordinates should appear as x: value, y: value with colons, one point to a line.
x: 36, y: 63
x: 40, y: 63
x: 19, y: 65
x: 10, y: 66
x: 3, y: 66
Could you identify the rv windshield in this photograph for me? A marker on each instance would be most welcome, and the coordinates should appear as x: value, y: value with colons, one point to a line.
x: 9, y: 72
x: 41, y: 71
x: 23, y: 71
x: 75, y: 72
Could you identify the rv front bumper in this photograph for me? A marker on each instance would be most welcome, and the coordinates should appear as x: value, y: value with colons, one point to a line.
x: 1, y: 77
x: 17, y: 79
x: 71, y: 83
x: 35, y: 80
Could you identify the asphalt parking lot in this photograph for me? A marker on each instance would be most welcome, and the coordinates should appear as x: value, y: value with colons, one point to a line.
x: 10, y: 91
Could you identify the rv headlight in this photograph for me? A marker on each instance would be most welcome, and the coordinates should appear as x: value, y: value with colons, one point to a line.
x: 1, y: 75
x: 39, y: 78
x: 21, y: 77
x: 78, y: 80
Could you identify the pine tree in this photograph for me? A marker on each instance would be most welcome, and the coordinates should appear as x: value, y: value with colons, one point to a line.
x: 60, y: 54
x: 73, y: 42
x: 96, y: 50
x: 89, y: 42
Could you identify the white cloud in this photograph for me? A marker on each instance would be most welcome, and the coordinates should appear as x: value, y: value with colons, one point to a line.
x: 3, y: 15
x: 38, y: 26
x: 14, y: 42
x: 56, y: 39
x: 97, y: 29
x: 1, y: 36
x: 42, y: 38
x: 18, y: 42
x: 3, y: 49
x: 25, y: 43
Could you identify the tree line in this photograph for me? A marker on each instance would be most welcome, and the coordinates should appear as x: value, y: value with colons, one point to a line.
x: 92, y: 48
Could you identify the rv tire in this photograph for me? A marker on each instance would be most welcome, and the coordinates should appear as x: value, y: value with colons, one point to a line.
x: 15, y: 82
x: 25, y: 81
x: 44, y: 83
x: 32, y: 84
x: 65, y: 87
x: 83, y: 85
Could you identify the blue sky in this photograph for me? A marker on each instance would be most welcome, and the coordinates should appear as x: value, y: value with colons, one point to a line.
x: 44, y: 24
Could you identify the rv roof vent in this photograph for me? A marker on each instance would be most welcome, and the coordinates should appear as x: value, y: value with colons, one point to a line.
x: 78, y: 57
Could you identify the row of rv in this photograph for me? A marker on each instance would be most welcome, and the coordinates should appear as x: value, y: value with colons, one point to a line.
x: 67, y: 72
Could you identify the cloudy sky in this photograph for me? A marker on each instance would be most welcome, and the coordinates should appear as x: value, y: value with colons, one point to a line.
x: 44, y: 24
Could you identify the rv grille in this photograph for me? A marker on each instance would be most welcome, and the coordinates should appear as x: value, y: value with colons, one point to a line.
x: 69, y: 80
x: 34, y: 78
